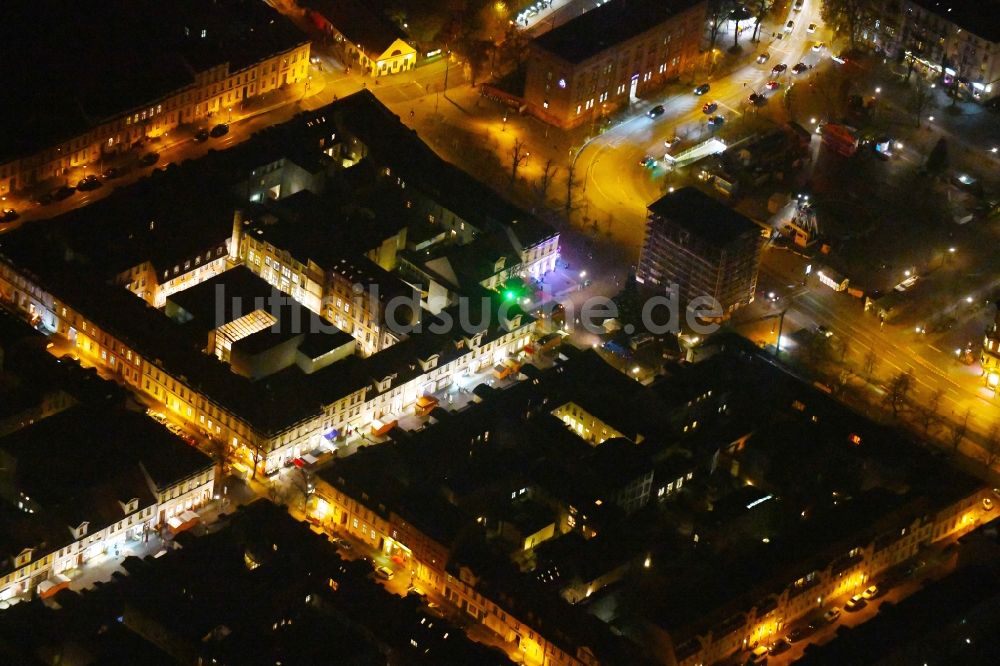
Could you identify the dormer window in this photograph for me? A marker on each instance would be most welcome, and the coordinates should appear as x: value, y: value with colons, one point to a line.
x: 24, y: 557
x: 429, y: 363
x: 130, y: 506
x: 81, y: 531
x: 499, y: 265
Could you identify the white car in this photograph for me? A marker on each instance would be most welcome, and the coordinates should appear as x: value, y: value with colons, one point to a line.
x: 812, y: 28
x: 818, y: 46
x: 789, y: 26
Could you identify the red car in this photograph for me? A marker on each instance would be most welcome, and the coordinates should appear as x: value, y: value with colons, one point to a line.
x: 773, y: 85
x: 710, y: 107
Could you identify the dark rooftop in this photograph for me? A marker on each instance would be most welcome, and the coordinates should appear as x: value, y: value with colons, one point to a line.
x: 359, y: 22
x: 87, y: 55
x: 978, y: 17
x: 607, y: 26
x: 704, y: 216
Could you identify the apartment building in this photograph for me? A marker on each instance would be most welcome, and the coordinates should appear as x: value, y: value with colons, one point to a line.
x: 79, y: 484
x: 703, y: 247
x: 609, y: 57
x: 144, y: 69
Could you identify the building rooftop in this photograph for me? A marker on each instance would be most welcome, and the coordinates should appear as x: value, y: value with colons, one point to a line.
x: 603, y: 28
x: 980, y: 18
x: 360, y: 23
x: 104, y: 41
x: 704, y: 216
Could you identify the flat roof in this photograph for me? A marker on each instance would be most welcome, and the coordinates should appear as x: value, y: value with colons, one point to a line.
x: 703, y: 215
x: 607, y: 26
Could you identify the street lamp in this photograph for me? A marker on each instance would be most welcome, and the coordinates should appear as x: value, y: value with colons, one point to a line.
x: 230, y: 119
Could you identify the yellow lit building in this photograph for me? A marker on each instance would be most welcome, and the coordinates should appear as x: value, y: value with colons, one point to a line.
x: 192, y: 63
x: 366, y: 40
x: 990, y: 356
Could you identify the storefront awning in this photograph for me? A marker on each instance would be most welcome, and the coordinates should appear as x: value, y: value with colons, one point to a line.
x: 332, y: 435
x: 51, y: 587
x: 382, y: 427
x: 426, y: 401
x: 182, y: 521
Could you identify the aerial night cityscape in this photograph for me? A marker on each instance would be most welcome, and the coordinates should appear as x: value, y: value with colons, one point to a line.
x: 483, y: 332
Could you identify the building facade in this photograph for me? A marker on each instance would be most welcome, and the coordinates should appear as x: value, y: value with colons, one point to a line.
x: 218, y: 84
x: 703, y: 247
x: 957, y: 42
x: 609, y: 57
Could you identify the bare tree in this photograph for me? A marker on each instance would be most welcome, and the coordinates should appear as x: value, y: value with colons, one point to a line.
x: 548, y: 175
x: 846, y: 16
x: 518, y: 156
x: 761, y: 9
x: 717, y: 14
x: 991, y: 445
x: 898, y: 391
x: 920, y: 97
x: 296, y: 493
x: 958, y: 430
x: 788, y: 100
x: 570, y: 185
x: 870, y: 363
x: 929, y: 411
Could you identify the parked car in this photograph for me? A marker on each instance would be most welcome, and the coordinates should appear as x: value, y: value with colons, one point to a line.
x: 779, y: 68
x: 758, y: 656
x: 799, y: 68
x: 756, y: 99
x: 222, y: 129
x: 435, y: 610
x: 779, y: 646
x: 63, y: 192
x: 201, y: 135
x: 831, y: 615
x: 855, y: 603
x: 9, y: 215
x: 149, y: 159
x: 88, y: 183
x: 648, y: 162
x: 797, y: 6
x: 763, y: 57
x: 871, y: 592
x: 656, y: 111
x: 385, y: 573
x: 702, y: 89
x: 716, y: 121
x: 818, y: 46
x: 112, y: 173
x: 709, y: 107
x: 789, y: 26
x: 811, y: 29
x: 800, y: 633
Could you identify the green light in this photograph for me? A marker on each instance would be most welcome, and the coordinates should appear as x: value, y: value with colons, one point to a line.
x: 508, y: 295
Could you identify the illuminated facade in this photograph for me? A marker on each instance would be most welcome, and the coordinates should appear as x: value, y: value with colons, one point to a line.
x: 65, y: 525
x: 848, y: 574
x: 703, y: 247
x: 367, y: 41
x: 221, y: 75
x: 954, y: 40
x: 604, y: 59
x: 990, y: 356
